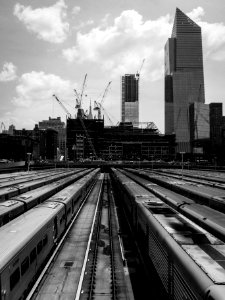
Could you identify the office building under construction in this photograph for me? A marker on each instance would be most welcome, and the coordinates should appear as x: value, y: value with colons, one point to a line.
x: 89, y: 139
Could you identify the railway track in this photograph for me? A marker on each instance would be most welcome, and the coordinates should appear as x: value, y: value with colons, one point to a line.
x: 100, y: 278
x: 87, y: 263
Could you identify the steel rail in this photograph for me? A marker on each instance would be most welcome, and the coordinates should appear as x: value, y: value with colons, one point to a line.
x: 57, y: 249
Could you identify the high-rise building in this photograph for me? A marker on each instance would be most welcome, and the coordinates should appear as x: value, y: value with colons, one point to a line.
x: 130, y: 99
x: 184, y: 78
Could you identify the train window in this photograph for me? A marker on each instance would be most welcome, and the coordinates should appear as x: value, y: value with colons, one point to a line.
x: 55, y: 228
x: 14, y: 278
x: 61, y: 220
x: 33, y: 255
x: 24, y: 265
x: 45, y: 240
x: 39, y: 247
x: 69, y: 211
x: 5, y: 219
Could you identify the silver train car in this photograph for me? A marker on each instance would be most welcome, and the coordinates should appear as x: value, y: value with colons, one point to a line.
x: 28, y: 240
x: 189, y: 261
x: 19, y: 204
x: 206, y: 217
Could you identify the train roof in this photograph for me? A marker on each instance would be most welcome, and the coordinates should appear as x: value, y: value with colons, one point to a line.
x: 8, y: 205
x: 18, y: 232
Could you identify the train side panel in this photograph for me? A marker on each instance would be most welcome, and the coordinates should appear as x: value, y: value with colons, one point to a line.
x: 18, y: 272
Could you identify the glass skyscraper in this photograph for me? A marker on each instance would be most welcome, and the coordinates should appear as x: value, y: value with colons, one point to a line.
x: 130, y: 99
x: 184, y: 78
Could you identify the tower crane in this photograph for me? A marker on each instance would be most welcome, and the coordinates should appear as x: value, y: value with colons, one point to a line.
x: 62, y: 105
x: 80, y: 114
x: 3, y: 129
x: 79, y: 98
x: 98, y: 105
x: 87, y: 136
x: 138, y: 73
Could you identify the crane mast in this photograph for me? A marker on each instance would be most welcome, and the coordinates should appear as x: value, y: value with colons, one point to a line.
x: 98, y: 105
x: 138, y: 73
x: 87, y: 136
x: 3, y: 129
x: 79, y: 98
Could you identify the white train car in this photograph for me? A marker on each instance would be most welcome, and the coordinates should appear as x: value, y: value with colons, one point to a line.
x: 25, y: 244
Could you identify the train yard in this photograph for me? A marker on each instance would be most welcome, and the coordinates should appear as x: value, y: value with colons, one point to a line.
x: 86, y: 234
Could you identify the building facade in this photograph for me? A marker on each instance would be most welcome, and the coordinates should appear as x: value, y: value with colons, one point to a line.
x: 184, y: 79
x: 216, y: 123
x: 122, y: 142
x: 84, y: 138
x: 59, y: 126
x: 130, y: 98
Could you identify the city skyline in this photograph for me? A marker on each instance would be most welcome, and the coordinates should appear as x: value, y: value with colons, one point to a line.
x: 49, y: 46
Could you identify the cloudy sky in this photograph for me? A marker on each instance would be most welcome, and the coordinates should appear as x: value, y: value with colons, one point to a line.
x: 47, y: 47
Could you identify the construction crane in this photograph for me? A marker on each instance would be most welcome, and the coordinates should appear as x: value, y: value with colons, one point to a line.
x: 98, y: 105
x: 81, y: 115
x: 3, y: 128
x: 87, y: 136
x: 79, y: 98
x: 138, y: 72
x: 62, y: 105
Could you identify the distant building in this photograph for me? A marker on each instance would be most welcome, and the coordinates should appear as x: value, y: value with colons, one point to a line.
x: 11, y: 129
x: 184, y: 79
x: 216, y: 123
x: 122, y: 142
x: 130, y: 98
x: 199, y: 121
x: 15, y: 147
x: 84, y: 137
x: 127, y: 142
x: 48, y: 143
x: 59, y: 126
x: 43, y: 142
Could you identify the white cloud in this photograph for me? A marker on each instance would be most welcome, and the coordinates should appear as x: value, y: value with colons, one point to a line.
x: 75, y: 10
x: 213, y: 35
x: 196, y: 14
x: 122, y: 46
x: 36, y: 89
x: 47, y: 22
x: 84, y: 24
x: 8, y: 73
x: 119, y: 47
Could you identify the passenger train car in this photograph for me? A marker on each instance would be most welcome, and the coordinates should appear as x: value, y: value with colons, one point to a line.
x: 189, y: 261
x: 19, y: 204
x: 29, y: 239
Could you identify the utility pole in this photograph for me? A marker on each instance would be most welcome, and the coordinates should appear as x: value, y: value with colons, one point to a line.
x: 182, y: 163
x: 28, y: 161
